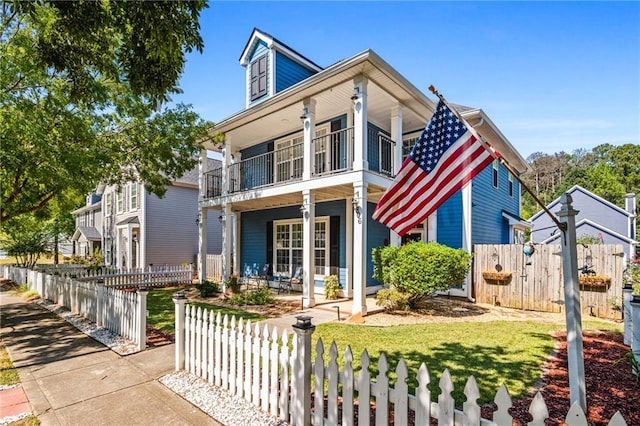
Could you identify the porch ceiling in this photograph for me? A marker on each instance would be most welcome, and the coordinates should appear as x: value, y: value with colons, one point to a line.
x: 332, y: 89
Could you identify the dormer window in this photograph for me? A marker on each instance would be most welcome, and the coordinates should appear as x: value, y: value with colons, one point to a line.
x: 259, y: 77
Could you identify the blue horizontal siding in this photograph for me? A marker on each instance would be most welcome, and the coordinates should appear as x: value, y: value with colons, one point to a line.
x: 289, y: 72
x: 450, y: 221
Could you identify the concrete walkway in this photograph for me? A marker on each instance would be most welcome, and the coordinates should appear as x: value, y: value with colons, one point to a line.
x: 70, y: 379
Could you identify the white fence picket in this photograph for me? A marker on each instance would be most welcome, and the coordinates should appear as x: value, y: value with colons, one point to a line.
x: 261, y: 366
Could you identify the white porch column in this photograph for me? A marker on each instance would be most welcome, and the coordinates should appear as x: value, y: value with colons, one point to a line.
x: 360, y: 255
x: 202, y: 244
x: 226, y: 162
x: 308, y: 240
x: 396, y: 136
x: 360, y: 123
x: 202, y: 217
x: 466, y: 231
x: 227, y: 242
x: 348, y: 288
x: 309, y: 131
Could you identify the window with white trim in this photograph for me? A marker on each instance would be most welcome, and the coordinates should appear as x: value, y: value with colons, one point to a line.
x: 289, y: 159
x: 120, y: 200
x: 510, y: 185
x: 288, y: 241
x: 495, y: 173
x: 133, y: 196
x: 108, y: 204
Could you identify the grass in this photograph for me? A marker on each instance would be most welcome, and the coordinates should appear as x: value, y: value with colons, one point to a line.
x: 162, y: 310
x: 8, y: 374
x: 493, y: 352
x: 25, y: 292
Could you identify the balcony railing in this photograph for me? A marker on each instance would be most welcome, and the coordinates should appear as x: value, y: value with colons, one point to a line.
x: 333, y: 153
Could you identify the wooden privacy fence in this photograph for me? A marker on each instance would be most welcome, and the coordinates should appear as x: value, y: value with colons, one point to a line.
x: 503, y: 275
x: 275, y: 372
x: 122, y: 312
x: 214, y: 267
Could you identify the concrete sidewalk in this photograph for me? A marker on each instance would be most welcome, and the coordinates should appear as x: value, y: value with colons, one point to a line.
x: 71, y: 379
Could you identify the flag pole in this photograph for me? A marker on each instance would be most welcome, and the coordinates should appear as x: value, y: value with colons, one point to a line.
x: 562, y: 226
x: 573, y: 314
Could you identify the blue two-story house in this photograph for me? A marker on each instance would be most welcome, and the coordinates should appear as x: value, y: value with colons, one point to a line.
x: 304, y: 164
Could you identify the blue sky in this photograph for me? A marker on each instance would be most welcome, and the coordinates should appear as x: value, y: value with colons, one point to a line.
x: 553, y: 76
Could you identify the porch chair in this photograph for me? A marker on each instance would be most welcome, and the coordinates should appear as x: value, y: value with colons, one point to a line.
x: 285, y: 283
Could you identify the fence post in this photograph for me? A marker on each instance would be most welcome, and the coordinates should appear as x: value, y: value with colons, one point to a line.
x: 179, y: 299
x: 301, y: 395
x: 626, y: 313
x: 142, y: 318
x: 100, y: 304
x: 635, y: 328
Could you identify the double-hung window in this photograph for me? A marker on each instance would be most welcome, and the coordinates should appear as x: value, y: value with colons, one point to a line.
x: 120, y: 200
x: 108, y: 204
x: 133, y: 196
x: 289, y: 245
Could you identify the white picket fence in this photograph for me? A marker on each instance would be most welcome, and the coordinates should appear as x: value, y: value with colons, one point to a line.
x: 257, y: 364
x: 138, y: 278
x: 122, y: 312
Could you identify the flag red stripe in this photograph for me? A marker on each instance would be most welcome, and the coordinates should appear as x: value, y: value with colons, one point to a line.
x: 448, y: 182
x: 417, y: 184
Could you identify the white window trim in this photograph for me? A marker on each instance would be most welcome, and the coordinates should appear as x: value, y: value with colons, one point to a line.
x: 108, y: 204
x: 120, y: 197
x: 324, y: 219
x: 131, y: 187
x: 495, y: 172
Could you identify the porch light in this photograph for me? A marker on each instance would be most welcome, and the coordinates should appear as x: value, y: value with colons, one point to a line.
x: 305, y: 114
x: 356, y: 208
x: 356, y: 94
x: 221, y: 219
x: 304, y: 210
x: 198, y: 219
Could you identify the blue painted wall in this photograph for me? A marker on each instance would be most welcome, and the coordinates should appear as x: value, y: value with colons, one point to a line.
x: 377, y: 233
x: 289, y: 72
x: 450, y: 221
x: 488, y: 202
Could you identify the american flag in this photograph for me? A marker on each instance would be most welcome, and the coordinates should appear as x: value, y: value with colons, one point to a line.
x: 445, y: 157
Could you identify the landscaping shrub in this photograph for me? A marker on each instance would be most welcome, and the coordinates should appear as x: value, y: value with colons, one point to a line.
x: 392, y: 300
x: 208, y: 289
x: 417, y: 270
x: 261, y: 296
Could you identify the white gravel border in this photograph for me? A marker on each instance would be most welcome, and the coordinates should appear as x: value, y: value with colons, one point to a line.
x: 224, y: 407
x: 108, y: 338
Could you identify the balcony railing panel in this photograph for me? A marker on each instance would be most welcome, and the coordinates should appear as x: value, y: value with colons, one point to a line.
x: 333, y: 152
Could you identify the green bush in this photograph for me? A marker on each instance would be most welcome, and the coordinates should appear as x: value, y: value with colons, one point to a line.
x: 232, y: 284
x: 392, y: 300
x: 261, y: 296
x: 208, y: 289
x: 420, y: 269
x: 331, y: 287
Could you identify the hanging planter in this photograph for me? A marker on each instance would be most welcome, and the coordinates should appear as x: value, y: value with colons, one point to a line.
x: 594, y: 282
x: 497, y: 278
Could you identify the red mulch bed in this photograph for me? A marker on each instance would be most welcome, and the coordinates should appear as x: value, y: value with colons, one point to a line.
x: 610, y: 384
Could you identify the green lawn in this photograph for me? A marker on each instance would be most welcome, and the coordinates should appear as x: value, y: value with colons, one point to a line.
x: 493, y: 352
x: 162, y: 309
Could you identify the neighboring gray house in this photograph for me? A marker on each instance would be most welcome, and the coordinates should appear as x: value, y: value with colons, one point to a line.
x: 596, y: 217
x: 136, y: 229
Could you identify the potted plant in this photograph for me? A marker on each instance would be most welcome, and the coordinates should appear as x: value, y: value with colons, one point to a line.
x: 331, y: 287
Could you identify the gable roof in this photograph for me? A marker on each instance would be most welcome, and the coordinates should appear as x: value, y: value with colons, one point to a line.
x: 335, y: 83
x: 273, y: 43
x: 89, y: 232
x: 578, y: 188
x: 599, y: 227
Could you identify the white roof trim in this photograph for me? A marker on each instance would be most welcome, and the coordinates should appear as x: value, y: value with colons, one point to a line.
x: 595, y: 225
x: 575, y: 188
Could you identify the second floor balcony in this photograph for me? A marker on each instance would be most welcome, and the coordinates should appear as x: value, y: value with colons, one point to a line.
x: 333, y: 153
